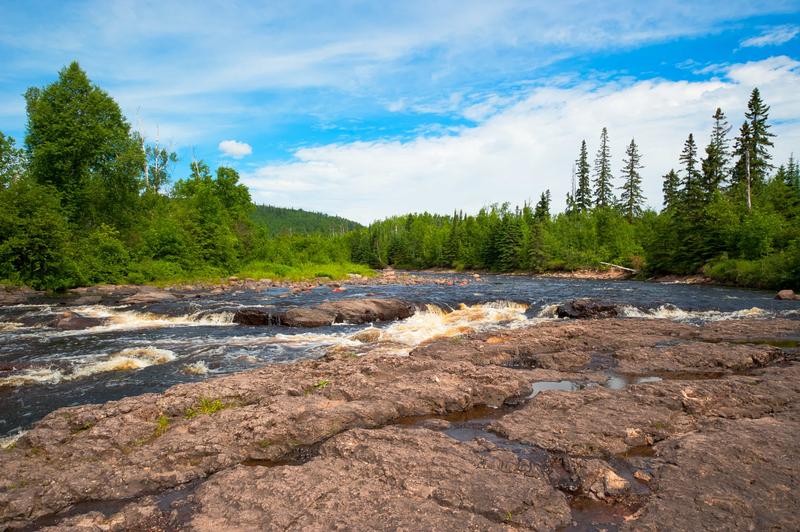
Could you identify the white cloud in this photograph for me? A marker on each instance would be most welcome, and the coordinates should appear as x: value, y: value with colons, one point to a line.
x: 773, y: 36
x: 529, y: 146
x: 235, y: 149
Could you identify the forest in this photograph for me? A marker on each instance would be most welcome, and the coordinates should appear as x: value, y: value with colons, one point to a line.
x: 729, y: 213
x: 87, y: 200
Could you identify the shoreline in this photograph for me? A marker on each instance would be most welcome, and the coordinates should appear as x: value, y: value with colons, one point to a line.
x: 626, y: 419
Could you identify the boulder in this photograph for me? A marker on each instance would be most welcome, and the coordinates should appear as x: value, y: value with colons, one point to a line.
x: 368, y: 310
x: 587, y: 309
x: 148, y: 296
x: 308, y: 317
x: 349, y: 310
x: 257, y: 316
x: 787, y: 295
x: 71, y: 321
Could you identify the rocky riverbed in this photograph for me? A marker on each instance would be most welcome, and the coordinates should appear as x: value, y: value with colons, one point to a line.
x: 625, y: 423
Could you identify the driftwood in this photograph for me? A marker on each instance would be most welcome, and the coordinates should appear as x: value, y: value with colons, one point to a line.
x: 620, y: 267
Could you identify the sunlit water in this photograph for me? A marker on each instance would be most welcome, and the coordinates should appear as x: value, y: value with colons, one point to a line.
x: 147, y: 348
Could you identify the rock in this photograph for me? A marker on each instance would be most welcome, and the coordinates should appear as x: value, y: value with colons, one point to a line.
x: 368, y: 310
x: 88, y: 300
x: 787, y: 295
x: 257, y: 316
x: 392, y: 478
x: 73, y: 321
x: 308, y: 317
x: 367, y: 336
x: 348, y: 310
x: 587, y: 309
x: 148, y: 296
x: 737, y: 474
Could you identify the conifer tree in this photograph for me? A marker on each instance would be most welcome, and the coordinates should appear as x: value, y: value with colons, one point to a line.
x: 542, y: 211
x: 583, y: 194
x: 671, y: 189
x: 631, y: 199
x: 691, y: 178
x: 715, y: 164
x: 758, y: 114
x: 603, y: 194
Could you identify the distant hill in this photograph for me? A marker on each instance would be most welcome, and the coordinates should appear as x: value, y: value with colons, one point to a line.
x: 282, y: 220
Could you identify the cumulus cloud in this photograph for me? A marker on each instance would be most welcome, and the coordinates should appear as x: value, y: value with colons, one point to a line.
x: 773, y: 36
x: 530, y: 146
x: 235, y: 149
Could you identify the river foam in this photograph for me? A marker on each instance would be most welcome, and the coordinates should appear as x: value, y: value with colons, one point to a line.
x: 130, y: 359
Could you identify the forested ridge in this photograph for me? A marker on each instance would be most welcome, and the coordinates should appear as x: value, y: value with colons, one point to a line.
x: 85, y: 200
x: 283, y: 220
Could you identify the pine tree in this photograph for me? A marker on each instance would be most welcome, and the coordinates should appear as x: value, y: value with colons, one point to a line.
x: 758, y: 114
x: 603, y: 195
x: 631, y: 199
x: 509, y: 243
x: 715, y: 164
x: 542, y: 211
x: 671, y: 188
x: 583, y: 194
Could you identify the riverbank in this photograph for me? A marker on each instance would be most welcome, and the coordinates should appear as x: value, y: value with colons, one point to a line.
x: 565, y: 423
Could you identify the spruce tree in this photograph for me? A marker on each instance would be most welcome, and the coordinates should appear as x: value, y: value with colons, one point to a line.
x: 715, y: 164
x: 631, y: 199
x: 542, y: 211
x: 603, y: 195
x: 671, y: 189
x: 583, y: 194
x: 758, y: 114
x: 691, y: 178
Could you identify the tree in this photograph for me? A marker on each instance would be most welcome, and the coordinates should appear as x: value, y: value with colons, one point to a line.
x: 79, y: 142
x: 758, y: 114
x: 583, y: 194
x: 691, y: 178
x: 603, y: 195
x: 158, y: 161
x: 631, y: 197
x: 542, y: 211
x: 12, y: 161
x: 742, y: 180
x: 671, y: 189
x: 715, y: 164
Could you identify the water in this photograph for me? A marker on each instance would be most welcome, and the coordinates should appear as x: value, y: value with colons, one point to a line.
x: 147, y: 348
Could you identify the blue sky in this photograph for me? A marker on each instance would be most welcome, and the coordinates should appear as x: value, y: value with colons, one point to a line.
x: 367, y: 109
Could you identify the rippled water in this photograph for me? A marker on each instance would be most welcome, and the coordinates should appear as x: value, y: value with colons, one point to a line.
x: 147, y: 348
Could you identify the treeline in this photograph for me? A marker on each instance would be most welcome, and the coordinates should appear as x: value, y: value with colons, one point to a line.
x: 729, y: 213
x: 282, y: 220
x: 87, y: 200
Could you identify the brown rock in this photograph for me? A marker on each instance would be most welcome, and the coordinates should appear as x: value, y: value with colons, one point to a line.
x: 391, y: 478
x: 587, y: 309
x: 148, y: 295
x: 787, y: 295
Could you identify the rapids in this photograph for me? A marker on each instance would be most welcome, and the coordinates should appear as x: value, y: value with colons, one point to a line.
x: 147, y: 348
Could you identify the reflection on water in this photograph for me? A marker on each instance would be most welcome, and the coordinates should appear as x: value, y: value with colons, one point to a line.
x: 147, y: 348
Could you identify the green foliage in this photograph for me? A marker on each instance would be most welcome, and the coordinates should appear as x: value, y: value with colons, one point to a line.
x: 162, y: 425
x: 79, y: 142
x: 279, y: 220
x: 34, y: 237
x: 205, y: 406
x: 12, y: 161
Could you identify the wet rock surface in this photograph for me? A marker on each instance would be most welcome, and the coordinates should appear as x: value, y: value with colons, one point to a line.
x: 352, y: 311
x: 611, y: 423
x: 587, y: 309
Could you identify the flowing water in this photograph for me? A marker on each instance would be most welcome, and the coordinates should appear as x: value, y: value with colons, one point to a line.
x: 147, y: 348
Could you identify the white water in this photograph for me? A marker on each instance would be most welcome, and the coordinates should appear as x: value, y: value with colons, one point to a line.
x: 130, y: 359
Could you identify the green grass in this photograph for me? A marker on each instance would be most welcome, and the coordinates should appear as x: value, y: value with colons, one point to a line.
x: 205, y: 407
x: 157, y: 274
x: 162, y: 425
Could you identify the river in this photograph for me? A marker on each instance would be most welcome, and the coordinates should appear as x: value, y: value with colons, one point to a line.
x: 147, y: 348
